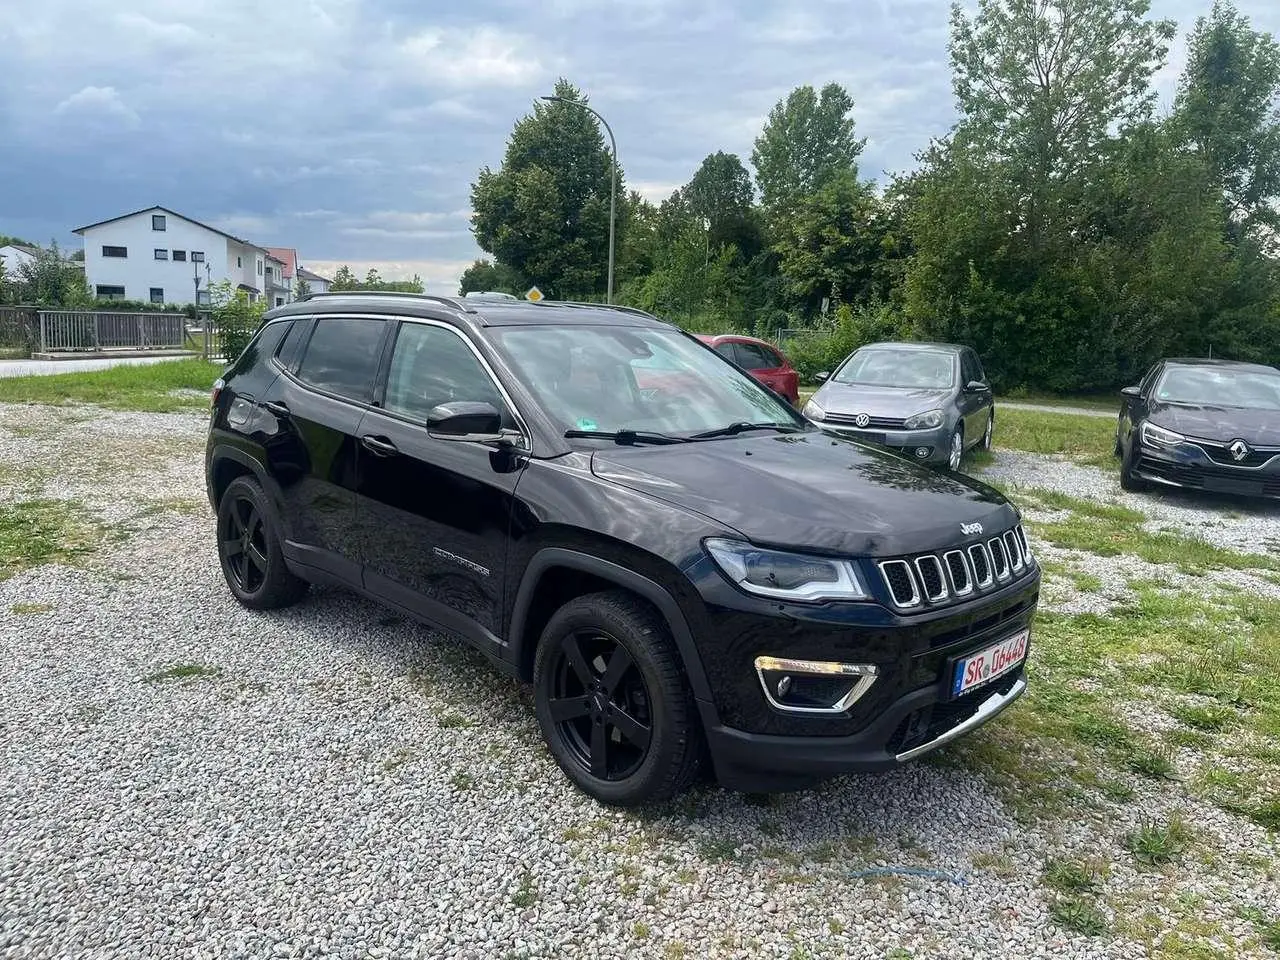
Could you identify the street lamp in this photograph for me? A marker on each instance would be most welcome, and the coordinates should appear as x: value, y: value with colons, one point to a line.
x: 613, y: 181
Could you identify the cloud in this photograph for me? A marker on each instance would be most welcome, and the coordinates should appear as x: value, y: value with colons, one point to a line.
x: 477, y: 57
x: 98, y: 104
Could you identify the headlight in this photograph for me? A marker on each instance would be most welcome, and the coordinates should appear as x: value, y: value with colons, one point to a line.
x: 813, y: 411
x: 1154, y: 436
x: 924, y: 421
x: 786, y: 576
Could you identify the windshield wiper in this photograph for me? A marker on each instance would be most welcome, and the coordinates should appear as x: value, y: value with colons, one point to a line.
x: 742, y: 426
x: 625, y: 437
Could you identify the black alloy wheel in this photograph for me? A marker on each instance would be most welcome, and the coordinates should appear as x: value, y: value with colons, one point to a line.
x: 249, y: 550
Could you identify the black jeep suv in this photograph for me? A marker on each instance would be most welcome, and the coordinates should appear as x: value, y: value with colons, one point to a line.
x: 681, y: 565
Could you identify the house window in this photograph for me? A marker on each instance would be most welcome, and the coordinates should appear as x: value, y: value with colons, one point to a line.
x: 197, y: 256
x: 105, y: 292
x: 238, y: 263
x: 279, y: 301
x: 157, y: 221
x: 259, y: 268
x: 115, y: 251
x: 161, y: 253
x: 157, y: 294
x: 180, y: 256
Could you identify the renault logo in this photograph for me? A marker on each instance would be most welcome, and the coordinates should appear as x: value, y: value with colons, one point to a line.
x: 862, y: 419
x: 1239, y: 450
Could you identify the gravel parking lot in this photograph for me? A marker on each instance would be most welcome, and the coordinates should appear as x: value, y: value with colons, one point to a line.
x: 184, y: 778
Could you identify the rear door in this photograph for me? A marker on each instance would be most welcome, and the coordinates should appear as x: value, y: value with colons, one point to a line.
x: 316, y: 405
x: 434, y: 514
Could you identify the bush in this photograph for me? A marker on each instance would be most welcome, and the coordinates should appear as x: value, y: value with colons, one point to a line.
x: 824, y: 349
x: 235, y: 318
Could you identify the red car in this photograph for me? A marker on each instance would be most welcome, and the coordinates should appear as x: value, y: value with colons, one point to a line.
x: 759, y: 358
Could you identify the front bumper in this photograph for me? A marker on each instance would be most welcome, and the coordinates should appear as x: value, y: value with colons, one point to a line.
x: 913, y: 726
x: 936, y: 440
x: 1187, y: 465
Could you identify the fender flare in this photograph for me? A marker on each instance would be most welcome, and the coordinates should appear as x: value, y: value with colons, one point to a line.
x: 550, y: 557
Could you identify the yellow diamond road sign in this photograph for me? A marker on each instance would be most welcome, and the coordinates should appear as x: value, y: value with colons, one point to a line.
x: 533, y: 294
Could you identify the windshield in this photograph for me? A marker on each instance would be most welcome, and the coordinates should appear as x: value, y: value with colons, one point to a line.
x: 606, y: 378
x: 1220, y: 387
x: 899, y: 368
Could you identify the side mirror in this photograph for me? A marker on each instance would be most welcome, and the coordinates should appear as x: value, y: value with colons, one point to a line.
x: 975, y: 386
x: 1133, y: 393
x: 822, y: 377
x: 465, y: 420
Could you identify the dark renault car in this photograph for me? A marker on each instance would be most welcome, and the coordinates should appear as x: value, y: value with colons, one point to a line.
x: 928, y: 401
x: 682, y: 573
x: 1209, y: 425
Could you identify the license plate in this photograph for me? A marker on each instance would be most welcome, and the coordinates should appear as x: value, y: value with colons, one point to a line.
x: 985, y: 665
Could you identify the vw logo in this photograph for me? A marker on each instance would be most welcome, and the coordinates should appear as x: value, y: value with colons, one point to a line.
x: 1239, y: 450
x: 862, y: 419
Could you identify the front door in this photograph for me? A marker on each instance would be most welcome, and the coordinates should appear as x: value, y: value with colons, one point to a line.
x: 434, y: 515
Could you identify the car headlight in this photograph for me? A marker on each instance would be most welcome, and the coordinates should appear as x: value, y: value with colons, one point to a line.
x: 924, y: 421
x: 813, y: 411
x: 786, y: 576
x: 1154, y: 436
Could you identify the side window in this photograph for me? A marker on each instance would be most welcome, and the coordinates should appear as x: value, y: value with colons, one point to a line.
x: 980, y: 374
x: 754, y: 358
x: 342, y: 357
x: 291, y: 348
x: 432, y: 365
x: 726, y: 350
x: 968, y: 372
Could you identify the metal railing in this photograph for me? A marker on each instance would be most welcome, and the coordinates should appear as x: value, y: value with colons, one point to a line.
x: 95, y: 330
x: 19, y: 330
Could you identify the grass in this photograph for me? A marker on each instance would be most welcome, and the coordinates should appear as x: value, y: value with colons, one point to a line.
x: 144, y: 387
x: 1079, y: 916
x: 1067, y: 876
x: 1154, y: 844
x: 181, y: 671
x: 36, y: 532
x: 526, y: 894
x: 1094, y: 509
x: 1106, y: 401
x: 1211, y: 719
x: 1089, y: 440
x: 26, y: 608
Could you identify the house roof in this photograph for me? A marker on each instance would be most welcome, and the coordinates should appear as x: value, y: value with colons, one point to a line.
x: 288, y: 256
x: 306, y: 274
x: 22, y: 248
x: 172, y: 213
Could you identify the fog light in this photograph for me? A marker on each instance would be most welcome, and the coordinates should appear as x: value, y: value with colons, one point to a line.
x: 813, y: 686
x: 922, y: 452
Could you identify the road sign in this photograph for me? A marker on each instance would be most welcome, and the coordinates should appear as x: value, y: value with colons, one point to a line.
x: 533, y: 295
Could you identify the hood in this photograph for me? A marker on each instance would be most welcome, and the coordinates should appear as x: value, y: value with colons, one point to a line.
x: 900, y: 402
x: 808, y: 491
x: 1260, y: 428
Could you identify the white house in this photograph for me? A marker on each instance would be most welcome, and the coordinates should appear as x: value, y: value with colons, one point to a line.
x: 161, y: 256
x: 317, y: 283
x: 15, y: 255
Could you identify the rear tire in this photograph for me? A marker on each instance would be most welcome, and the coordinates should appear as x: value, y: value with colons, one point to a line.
x: 249, y: 550
x: 612, y: 701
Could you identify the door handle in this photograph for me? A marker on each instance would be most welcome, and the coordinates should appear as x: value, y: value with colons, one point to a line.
x: 379, y: 446
x: 276, y: 408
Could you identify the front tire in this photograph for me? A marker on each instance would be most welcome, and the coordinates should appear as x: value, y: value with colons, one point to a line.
x: 1128, y: 479
x: 612, y: 701
x: 989, y: 432
x: 249, y: 550
x: 955, y: 453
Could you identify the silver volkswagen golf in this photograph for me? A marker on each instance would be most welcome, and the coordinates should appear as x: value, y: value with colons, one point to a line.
x: 928, y: 401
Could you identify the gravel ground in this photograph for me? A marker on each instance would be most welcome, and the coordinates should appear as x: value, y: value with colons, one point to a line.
x: 1236, y: 524
x: 332, y: 780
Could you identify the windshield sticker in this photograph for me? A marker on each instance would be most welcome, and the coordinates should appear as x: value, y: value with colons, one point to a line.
x: 585, y: 424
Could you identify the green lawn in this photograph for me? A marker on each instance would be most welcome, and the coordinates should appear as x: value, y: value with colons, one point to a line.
x: 1089, y: 440
x: 152, y: 388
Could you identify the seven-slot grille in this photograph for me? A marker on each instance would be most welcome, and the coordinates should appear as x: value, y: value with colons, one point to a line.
x: 950, y: 576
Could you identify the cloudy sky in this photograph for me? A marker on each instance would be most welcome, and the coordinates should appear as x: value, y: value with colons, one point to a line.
x: 352, y: 129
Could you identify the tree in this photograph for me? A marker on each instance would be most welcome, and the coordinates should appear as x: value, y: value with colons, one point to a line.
x: 485, y: 275
x: 301, y: 288
x: 836, y: 245
x: 1040, y: 84
x: 545, y: 212
x: 344, y: 279
x: 1226, y: 109
x: 807, y: 140
x: 47, y: 280
x: 721, y: 194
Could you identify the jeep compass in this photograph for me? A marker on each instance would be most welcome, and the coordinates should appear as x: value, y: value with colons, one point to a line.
x: 688, y: 572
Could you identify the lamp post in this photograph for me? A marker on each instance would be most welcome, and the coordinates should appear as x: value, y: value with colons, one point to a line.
x: 613, y: 181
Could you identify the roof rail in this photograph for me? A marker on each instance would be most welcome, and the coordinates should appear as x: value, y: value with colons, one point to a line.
x: 449, y: 301
x: 582, y: 304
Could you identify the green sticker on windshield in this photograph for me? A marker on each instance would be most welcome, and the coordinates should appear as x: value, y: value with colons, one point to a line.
x: 585, y: 424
